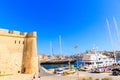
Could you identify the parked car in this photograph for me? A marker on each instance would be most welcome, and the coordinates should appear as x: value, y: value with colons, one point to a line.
x: 85, y: 68
x: 72, y: 71
x: 96, y: 70
x: 58, y: 71
x: 116, y: 71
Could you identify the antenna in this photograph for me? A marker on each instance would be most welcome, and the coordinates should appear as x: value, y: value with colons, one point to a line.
x: 51, y: 50
x: 116, y: 27
x: 110, y: 35
x: 60, y: 44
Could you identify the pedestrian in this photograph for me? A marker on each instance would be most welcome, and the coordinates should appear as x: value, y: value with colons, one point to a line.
x: 39, y: 74
x: 34, y: 76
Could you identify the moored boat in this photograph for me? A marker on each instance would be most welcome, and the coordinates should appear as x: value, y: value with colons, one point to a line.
x: 94, y: 59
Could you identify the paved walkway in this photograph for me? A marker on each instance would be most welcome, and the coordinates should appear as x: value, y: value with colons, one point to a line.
x: 44, y: 72
x: 47, y: 76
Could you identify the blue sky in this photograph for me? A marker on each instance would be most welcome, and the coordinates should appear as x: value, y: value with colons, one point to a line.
x: 80, y: 22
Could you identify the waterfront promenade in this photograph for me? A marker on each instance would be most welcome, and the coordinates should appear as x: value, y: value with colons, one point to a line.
x: 59, y: 77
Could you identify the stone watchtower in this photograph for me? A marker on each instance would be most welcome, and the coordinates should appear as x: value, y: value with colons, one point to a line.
x: 18, y: 52
x: 30, y: 60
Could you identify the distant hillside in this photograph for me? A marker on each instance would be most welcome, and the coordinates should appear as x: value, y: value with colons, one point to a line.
x: 107, y: 53
x: 111, y: 54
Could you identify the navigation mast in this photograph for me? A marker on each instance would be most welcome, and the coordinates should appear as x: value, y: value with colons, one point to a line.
x: 110, y: 35
x: 51, y: 49
x: 117, y: 29
x: 60, y: 45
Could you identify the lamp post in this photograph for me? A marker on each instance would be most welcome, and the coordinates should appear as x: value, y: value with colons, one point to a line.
x: 76, y: 47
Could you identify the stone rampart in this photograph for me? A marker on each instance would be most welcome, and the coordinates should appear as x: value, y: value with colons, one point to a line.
x: 18, y: 52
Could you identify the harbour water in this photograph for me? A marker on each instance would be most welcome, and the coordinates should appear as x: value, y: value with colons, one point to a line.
x: 51, y: 66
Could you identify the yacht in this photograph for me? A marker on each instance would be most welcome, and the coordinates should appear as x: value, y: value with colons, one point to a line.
x: 94, y: 59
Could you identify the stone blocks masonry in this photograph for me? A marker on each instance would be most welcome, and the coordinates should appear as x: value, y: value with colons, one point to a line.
x: 18, y: 52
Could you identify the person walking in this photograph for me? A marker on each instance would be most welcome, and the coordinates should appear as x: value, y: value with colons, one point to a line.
x: 39, y: 74
x: 34, y: 77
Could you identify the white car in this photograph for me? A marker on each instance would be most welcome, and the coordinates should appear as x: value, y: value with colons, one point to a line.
x: 86, y: 68
x: 58, y: 71
x: 72, y: 71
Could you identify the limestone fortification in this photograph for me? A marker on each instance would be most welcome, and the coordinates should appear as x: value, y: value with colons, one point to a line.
x: 18, y: 52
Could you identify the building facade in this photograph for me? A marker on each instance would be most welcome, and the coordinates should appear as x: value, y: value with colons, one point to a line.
x: 18, y: 52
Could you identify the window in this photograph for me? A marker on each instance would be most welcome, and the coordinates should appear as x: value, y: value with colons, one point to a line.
x: 19, y: 42
x: 24, y: 70
x: 23, y: 42
x: 18, y: 71
x: 99, y: 62
x: 15, y: 41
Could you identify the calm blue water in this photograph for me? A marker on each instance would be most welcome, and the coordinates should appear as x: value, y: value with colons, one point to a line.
x: 50, y: 66
x: 118, y: 60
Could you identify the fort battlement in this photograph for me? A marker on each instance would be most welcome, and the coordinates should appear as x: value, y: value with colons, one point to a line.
x: 13, y: 33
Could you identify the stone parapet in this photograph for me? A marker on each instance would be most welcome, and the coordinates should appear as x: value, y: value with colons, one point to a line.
x: 4, y: 31
x: 13, y: 33
x: 31, y: 34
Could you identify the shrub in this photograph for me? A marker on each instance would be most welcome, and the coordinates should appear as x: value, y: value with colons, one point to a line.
x: 106, y: 79
x: 83, y: 79
x: 72, y: 67
x: 90, y: 78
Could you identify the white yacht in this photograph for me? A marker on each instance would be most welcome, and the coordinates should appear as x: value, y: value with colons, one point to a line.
x: 94, y: 59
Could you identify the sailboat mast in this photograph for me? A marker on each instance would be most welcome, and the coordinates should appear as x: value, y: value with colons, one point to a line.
x: 110, y: 35
x: 51, y: 51
x: 116, y: 27
x: 60, y: 44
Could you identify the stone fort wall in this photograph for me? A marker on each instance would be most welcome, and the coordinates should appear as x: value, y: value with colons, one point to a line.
x: 18, y: 52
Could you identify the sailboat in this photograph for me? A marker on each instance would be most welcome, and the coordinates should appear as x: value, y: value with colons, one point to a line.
x: 57, y: 59
x: 94, y: 59
x: 111, y: 40
x: 110, y: 35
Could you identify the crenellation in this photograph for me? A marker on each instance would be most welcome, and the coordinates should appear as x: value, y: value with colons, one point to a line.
x: 15, y: 32
x: 4, y: 31
x: 23, y: 33
x: 31, y: 34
